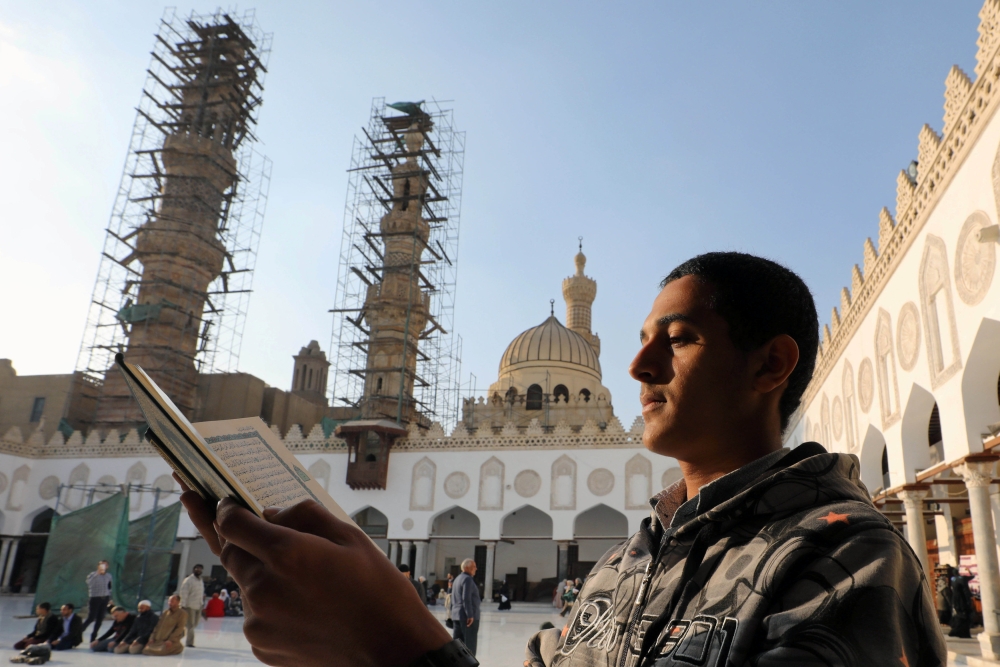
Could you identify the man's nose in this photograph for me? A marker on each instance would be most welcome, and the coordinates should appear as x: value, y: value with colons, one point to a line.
x: 648, y: 366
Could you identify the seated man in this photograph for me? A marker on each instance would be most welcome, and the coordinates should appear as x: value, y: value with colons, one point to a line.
x: 71, y: 630
x: 136, y: 638
x: 46, y: 629
x: 166, y: 638
x: 760, y: 555
x: 215, y: 607
x: 122, y: 625
x: 235, y: 604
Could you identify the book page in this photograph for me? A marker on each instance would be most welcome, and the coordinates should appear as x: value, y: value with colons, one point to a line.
x: 257, y: 457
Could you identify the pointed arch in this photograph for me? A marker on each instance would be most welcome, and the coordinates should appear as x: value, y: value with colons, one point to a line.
x: 455, y: 522
x: 18, y: 482
x: 601, y: 521
x: 75, y: 494
x: 136, y: 476
x: 491, y: 476
x: 870, y: 457
x: 938, y: 311
x: 563, y: 484
x: 980, y: 387
x: 916, y: 417
x: 320, y: 471
x: 638, y: 482
x: 850, y: 407
x: 526, y: 521
x: 422, y: 485
x: 372, y: 522
x: 824, y: 419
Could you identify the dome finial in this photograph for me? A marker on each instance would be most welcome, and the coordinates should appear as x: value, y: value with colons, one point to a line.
x: 580, y: 239
x: 552, y: 307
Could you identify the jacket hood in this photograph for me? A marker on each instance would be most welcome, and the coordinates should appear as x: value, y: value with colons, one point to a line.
x: 805, y: 478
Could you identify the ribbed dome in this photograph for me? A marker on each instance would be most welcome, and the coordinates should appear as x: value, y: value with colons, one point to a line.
x: 550, y: 342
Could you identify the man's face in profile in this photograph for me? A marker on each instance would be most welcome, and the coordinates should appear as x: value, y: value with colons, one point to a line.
x: 690, y: 372
x: 65, y: 611
x: 175, y: 602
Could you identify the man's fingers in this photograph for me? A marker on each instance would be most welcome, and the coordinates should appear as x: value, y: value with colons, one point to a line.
x: 244, y: 568
x: 263, y: 540
x: 203, y: 517
x: 310, y: 517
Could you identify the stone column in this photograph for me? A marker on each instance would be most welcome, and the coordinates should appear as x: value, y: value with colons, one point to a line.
x: 404, y: 553
x: 182, y: 566
x: 420, y: 561
x: 945, y: 529
x: 491, y: 550
x: 913, y: 496
x: 9, y: 570
x: 977, y: 471
x: 562, y: 565
x: 393, y: 551
x: 4, y: 549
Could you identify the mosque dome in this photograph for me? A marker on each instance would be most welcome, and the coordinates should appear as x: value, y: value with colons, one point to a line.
x: 550, y: 345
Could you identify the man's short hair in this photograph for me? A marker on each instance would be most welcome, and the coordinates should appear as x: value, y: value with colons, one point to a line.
x: 118, y: 609
x: 69, y: 604
x: 760, y: 299
x: 45, y: 605
x: 198, y: 565
x: 404, y: 568
x: 467, y: 563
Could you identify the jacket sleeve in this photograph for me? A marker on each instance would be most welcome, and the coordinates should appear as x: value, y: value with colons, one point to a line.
x: 468, y: 602
x: 541, y: 648
x: 865, y: 601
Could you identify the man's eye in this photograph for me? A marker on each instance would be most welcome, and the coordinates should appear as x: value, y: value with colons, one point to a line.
x: 678, y: 340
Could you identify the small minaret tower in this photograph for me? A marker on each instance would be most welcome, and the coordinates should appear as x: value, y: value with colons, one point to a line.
x: 579, y: 292
x: 311, y: 371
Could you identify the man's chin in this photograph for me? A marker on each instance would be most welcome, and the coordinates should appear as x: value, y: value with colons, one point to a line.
x: 659, y: 440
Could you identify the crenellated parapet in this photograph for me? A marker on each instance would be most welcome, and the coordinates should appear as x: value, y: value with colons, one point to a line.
x: 968, y: 104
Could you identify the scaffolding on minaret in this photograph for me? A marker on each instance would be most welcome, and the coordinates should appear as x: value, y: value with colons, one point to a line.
x: 395, y: 353
x: 176, y: 270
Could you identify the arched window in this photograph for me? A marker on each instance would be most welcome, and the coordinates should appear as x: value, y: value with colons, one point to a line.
x: 561, y: 392
x: 585, y: 395
x: 310, y: 385
x: 534, y: 398
x: 511, y: 395
x: 850, y: 415
x: 938, y: 313
x: 885, y: 370
x: 378, y: 386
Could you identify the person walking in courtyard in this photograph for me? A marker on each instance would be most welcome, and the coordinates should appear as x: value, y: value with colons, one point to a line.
x: 47, y: 628
x: 759, y: 555
x: 137, y: 638
x: 119, y: 629
x: 99, y: 588
x: 962, y: 607
x: 504, y: 597
x: 465, y: 603
x: 417, y: 585
x: 166, y: 638
x: 71, y: 630
x: 192, y: 594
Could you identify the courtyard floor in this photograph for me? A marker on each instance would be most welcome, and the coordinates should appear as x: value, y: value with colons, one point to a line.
x: 502, y: 636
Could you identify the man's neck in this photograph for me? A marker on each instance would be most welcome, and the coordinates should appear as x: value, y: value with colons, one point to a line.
x: 707, y: 469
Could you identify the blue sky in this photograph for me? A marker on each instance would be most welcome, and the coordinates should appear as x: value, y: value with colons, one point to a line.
x: 655, y: 130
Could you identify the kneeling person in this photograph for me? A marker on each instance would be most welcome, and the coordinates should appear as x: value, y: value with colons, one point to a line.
x: 136, y: 638
x: 166, y: 638
x: 119, y: 629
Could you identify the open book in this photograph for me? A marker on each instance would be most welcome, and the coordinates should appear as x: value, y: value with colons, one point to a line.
x: 237, y: 458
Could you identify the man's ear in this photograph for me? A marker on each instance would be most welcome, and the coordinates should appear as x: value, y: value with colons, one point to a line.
x: 776, y: 360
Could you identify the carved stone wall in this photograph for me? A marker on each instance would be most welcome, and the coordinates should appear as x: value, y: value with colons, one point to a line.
x: 563, y: 484
x: 940, y: 329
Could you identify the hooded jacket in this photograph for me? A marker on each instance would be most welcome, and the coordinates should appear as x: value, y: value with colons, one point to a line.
x: 793, y: 567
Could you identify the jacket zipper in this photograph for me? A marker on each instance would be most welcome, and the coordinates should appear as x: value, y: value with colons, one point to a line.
x: 640, y: 602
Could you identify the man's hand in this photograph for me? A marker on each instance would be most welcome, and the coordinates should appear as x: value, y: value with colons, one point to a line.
x: 93, y: 644
x: 469, y: 622
x: 296, y: 568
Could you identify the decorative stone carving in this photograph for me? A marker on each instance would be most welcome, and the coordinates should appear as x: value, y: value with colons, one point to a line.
x: 527, y: 483
x: 824, y: 419
x: 106, y: 487
x: 670, y: 476
x: 940, y: 329
x: 837, y: 418
x: 866, y: 384
x: 989, y: 35
x: 929, y: 142
x: 562, y: 428
x: 638, y: 482
x: 885, y: 370
x: 456, y: 485
x: 976, y: 474
x: 908, y: 335
x: 534, y: 428
x: 320, y: 471
x: 871, y: 255
x: 491, y: 484
x: 601, y: 481
x: 407, y: 524
x: 956, y: 91
x: 509, y: 430
x: 422, y: 486
x: 18, y: 482
x: 49, y: 488
x: 886, y: 226
x: 136, y: 475
x: 614, y: 426
x: 638, y: 426
x: 563, y: 495
x: 163, y: 483
x: 436, y: 431
x: 850, y: 416
x: 975, y: 261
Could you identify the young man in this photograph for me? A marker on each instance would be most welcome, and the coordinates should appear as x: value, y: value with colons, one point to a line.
x: 166, y: 638
x: 46, y: 629
x: 99, y: 586
x: 70, y: 629
x: 137, y: 638
x: 758, y: 556
x: 119, y: 629
x: 192, y: 594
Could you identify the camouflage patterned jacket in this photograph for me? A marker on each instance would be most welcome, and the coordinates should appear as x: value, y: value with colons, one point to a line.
x: 797, y: 567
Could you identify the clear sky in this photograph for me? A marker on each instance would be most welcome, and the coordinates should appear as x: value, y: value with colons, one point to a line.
x: 655, y: 130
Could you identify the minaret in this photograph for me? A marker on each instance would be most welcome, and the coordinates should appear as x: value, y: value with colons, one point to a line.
x: 579, y: 292
x: 311, y: 371
x: 178, y: 245
x: 396, y: 309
